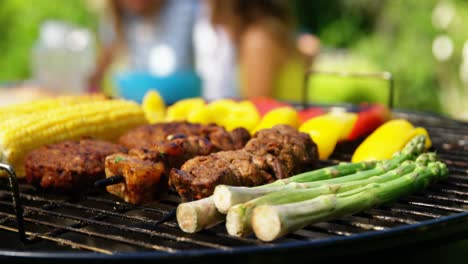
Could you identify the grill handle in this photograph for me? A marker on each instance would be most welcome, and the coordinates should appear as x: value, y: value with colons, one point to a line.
x: 385, y: 76
x: 13, y: 182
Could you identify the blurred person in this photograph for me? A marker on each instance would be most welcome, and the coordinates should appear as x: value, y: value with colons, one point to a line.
x: 262, y: 34
x: 151, y: 36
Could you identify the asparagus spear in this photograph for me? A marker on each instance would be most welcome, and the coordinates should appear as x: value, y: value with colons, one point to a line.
x: 197, y: 215
x: 238, y: 219
x: 273, y: 221
x: 227, y: 196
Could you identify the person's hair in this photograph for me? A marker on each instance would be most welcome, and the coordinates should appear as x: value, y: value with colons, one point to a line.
x: 238, y: 15
x: 116, y: 15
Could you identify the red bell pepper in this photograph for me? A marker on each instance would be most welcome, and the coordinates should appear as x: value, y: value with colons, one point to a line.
x: 266, y: 104
x: 309, y: 113
x: 368, y: 120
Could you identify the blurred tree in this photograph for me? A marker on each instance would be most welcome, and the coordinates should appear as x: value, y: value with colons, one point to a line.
x: 402, y: 44
x: 339, y: 23
x: 395, y: 35
x: 20, y: 22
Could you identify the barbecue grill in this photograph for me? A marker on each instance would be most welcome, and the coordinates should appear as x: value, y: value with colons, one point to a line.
x: 95, y: 226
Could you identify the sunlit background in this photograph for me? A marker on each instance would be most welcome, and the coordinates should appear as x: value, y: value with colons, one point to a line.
x: 424, y: 44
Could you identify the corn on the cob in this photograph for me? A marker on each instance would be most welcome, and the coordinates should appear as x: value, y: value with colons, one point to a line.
x: 46, y: 104
x: 99, y: 119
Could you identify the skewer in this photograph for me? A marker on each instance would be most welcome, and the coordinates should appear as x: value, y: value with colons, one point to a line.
x: 109, y: 181
x: 167, y: 217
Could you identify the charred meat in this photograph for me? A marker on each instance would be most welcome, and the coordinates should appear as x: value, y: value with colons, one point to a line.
x: 171, y: 152
x: 271, y: 154
x: 151, y: 135
x: 295, y: 150
x: 69, y: 165
x: 142, y: 178
x: 199, y: 176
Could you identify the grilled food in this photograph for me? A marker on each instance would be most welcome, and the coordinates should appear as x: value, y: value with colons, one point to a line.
x: 105, y: 120
x: 271, y: 154
x: 142, y: 178
x: 69, y: 165
x: 151, y: 135
x: 35, y: 106
x: 145, y: 169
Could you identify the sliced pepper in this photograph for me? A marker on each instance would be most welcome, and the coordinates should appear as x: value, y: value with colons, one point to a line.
x: 368, y: 120
x: 181, y: 109
x: 154, y: 107
x: 266, y: 104
x: 283, y: 115
x: 310, y: 113
x: 213, y: 112
x: 243, y: 114
x: 201, y: 115
x: 387, y: 139
x: 326, y: 130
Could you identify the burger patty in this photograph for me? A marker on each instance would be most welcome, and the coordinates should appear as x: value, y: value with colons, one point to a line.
x: 151, y: 135
x: 69, y: 164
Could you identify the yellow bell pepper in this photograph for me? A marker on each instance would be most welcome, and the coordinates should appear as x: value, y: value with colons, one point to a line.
x: 219, y: 109
x: 154, y: 107
x: 326, y: 130
x: 387, y: 139
x: 283, y: 115
x: 243, y: 114
x: 227, y: 113
x: 201, y: 115
x: 181, y: 109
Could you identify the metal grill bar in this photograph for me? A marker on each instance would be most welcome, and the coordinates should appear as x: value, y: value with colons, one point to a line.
x: 120, y: 227
x: 60, y: 241
x: 97, y: 217
x: 90, y: 233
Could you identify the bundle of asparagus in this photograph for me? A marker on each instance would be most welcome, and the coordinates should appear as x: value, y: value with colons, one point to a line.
x: 284, y: 206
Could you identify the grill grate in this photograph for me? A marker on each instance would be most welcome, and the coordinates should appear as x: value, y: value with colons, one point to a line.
x: 96, y: 222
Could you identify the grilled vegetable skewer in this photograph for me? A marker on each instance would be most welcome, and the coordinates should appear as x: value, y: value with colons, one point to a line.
x: 271, y: 222
x: 144, y: 170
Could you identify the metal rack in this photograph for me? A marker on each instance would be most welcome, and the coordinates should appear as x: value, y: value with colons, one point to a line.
x: 98, y: 223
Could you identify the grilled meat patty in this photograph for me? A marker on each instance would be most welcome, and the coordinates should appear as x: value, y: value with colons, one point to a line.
x: 295, y: 150
x: 271, y: 154
x: 199, y: 176
x: 171, y: 152
x: 69, y: 164
x: 151, y: 135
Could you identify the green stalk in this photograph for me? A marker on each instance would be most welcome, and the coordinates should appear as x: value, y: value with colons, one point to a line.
x: 197, y: 215
x: 238, y: 219
x: 270, y: 222
x: 227, y: 196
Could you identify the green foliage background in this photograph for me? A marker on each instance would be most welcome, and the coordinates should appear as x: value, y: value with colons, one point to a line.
x: 397, y: 35
x: 393, y: 35
x: 21, y: 19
